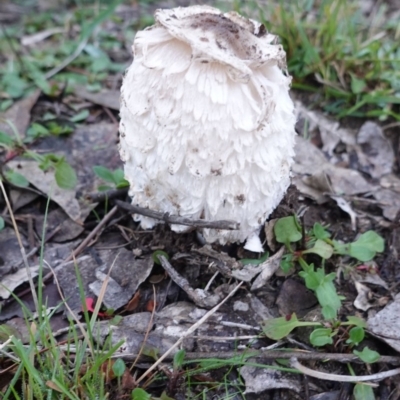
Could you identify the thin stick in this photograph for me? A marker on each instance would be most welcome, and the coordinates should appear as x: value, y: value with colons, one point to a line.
x: 189, y: 332
x: 175, y: 219
x: 92, y: 234
x: 294, y: 363
x: 22, y: 249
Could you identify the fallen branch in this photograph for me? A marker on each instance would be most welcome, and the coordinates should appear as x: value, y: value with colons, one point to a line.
x: 176, y: 220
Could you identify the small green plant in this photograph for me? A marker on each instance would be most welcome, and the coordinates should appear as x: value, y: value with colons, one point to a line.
x: 116, y: 178
x: 318, y: 242
x: 64, y: 174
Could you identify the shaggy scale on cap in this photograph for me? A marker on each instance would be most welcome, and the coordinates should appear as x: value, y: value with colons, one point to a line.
x: 207, y: 124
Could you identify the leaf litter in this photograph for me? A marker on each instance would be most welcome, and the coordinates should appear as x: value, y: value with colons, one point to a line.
x: 345, y: 177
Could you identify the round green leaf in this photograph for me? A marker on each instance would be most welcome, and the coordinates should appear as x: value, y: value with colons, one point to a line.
x: 321, y: 337
x: 367, y: 355
x: 140, y: 394
x: 363, y: 392
x: 119, y: 367
x: 16, y: 178
x: 287, y: 230
x: 65, y: 175
x: 356, y: 335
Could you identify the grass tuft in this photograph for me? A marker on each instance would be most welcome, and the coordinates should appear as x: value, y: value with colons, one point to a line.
x: 351, y: 59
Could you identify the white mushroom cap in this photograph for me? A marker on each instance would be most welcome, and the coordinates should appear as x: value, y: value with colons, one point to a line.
x: 207, y: 124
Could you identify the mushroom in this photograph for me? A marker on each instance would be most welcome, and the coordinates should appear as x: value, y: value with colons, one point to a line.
x: 207, y: 123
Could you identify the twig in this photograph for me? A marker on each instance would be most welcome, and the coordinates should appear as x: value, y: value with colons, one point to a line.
x: 226, y: 338
x: 240, y: 326
x: 209, y: 283
x: 199, y: 296
x: 175, y: 219
x: 108, y: 194
x: 92, y: 234
x: 294, y: 363
x: 189, y: 332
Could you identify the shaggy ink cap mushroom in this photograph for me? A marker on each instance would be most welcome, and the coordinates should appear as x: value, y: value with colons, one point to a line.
x: 207, y: 123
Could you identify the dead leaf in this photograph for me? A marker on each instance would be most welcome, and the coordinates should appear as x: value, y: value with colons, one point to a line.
x: 132, y: 329
x: 126, y: 277
x: 257, y: 380
x: 389, y: 202
x: 11, y: 281
x: 133, y: 302
x: 369, y: 275
x: 10, y: 254
x: 308, y: 158
x: 19, y: 114
x: 59, y: 222
x: 258, y: 307
x: 378, y: 151
x: 385, y: 325
x: 21, y: 197
x: 362, y: 302
x: 391, y: 182
x: 330, y: 130
x: 316, y: 177
x: 46, y: 183
x: 269, y: 268
x: 105, y: 97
